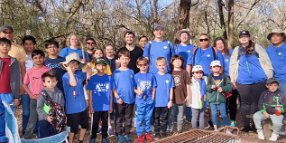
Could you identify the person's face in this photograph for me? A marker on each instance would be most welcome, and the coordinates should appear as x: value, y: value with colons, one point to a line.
x: 50, y: 82
x: 52, y: 50
x: 143, y: 41
x: 100, y: 68
x: 74, y: 41
x: 29, y: 46
x: 129, y: 39
x: 204, y: 41
x: 124, y: 61
x: 109, y: 51
x: 277, y: 39
x: 7, y: 34
x: 215, y: 69
x: 38, y: 60
x: 98, y: 54
x: 220, y: 45
x: 90, y: 44
x: 74, y: 65
x: 177, y: 63
x: 161, y: 66
x: 272, y: 87
x: 198, y: 74
x: 184, y: 37
x: 244, y: 39
x: 143, y: 66
x: 5, y: 48
x: 158, y: 33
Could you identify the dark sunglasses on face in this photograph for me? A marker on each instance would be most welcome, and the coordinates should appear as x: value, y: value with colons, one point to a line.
x: 90, y: 43
x: 141, y: 65
x: 206, y: 39
x: 216, y: 66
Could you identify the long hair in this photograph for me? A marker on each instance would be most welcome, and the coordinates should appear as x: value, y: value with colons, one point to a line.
x: 69, y: 37
x: 225, y: 49
x: 176, y: 57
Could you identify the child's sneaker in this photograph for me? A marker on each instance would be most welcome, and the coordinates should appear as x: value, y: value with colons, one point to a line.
x: 260, y: 135
x: 157, y: 136
x: 232, y: 124
x: 110, y: 132
x: 99, y: 130
x: 128, y: 138
x: 274, y: 137
x: 104, y: 141
x: 149, y: 137
x: 120, y: 139
x: 140, y: 139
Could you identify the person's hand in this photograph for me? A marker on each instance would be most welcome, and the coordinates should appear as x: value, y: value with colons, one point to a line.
x: 266, y: 115
x: 22, y: 91
x: 91, y: 110
x: 219, y: 89
x: 83, y: 60
x: 139, y: 92
x: 16, y: 102
x: 214, y: 87
x: 117, y: 63
x: 120, y: 101
x: 50, y: 119
x: 68, y: 68
x: 233, y: 84
x: 88, y: 72
x: 110, y: 110
x: 170, y: 104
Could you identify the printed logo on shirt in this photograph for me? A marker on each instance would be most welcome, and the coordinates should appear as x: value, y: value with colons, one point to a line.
x: 165, y: 47
x: 280, y: 54
x: 189, y: 51
x: 177, y: 80
x: 226, y: 60
x: 131, y: 76
x: 208, y: 55
x: 167, y: 81
x: 143, y: 85
x: 101, y: 87
x: 53, y: 66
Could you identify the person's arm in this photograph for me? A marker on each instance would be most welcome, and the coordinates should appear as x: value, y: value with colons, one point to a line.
x: 90, y: 101
x: 227, y: 87
x: 153, y: 93
x: 40, y: 104
x: 170, y: 103
x: 189, y: 69
x: 72, y: 80
x: 111, y: 103
x: 188, y: 82
x: 26, y: 88
x: 117, y: 97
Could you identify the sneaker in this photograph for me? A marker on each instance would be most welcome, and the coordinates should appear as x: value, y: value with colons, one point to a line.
x: 92, y: 141
x: 140, y: 139
x: 274, y: 137
x: 232, y: 124
x: 110, y: 132
x: 149, y: 137
x: 120, y: 139
x: 260, y: 135
x: 157, y: 136
x: 245, y: 129
x: 128, y: 138
x: 104, y: 141
x: 99, y: 130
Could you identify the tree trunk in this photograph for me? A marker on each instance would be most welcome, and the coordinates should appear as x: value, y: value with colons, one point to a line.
x: 230, y: 23
x: 184, y: 14
x: 221, y: 17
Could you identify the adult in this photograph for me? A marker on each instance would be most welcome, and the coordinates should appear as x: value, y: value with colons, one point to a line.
x: 204, y: 55
x: 110, y: 56
x: 90, y: 47
x: 158, y: 48
x: 73, y: 46
x: 134, y: 51
x: 143, y: 40
x: 277, y: 54
x: 249, y: 69
x: 184, y: 49
x: 220, y: 45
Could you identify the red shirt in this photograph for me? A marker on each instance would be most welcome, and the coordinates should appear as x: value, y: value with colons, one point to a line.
x: 5, y: 76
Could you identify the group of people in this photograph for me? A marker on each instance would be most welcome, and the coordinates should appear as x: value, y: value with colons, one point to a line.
x: 158, y: 82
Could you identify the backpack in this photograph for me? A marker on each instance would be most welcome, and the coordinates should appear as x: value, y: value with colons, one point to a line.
x: 224, y: 79
x: 57, y: 112
x: 195, y: 52
x: 149, y: 49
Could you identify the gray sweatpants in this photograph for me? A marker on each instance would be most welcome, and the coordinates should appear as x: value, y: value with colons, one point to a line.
x: 198, y: 115
x: 258, y: 117
x: 32, y: 119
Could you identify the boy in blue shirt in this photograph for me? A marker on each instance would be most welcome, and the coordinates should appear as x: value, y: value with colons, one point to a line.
x: 163, y: 97
x: 145, y: 92
x: 123, y: 83
x: 100, y: 98
x: 76, y: 108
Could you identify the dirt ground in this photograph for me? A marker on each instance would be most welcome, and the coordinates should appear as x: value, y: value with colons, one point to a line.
x: 245, y: 137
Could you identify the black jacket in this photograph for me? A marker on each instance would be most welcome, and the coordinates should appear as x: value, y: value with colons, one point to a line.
x: 269, y: 100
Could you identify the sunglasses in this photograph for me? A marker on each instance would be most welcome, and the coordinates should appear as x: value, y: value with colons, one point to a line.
x: 141, y: 65
x: 90, y: 43
x: 202, y: 40
x: 216, y: 66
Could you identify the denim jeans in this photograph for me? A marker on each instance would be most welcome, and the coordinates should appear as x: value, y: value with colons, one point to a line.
x: 8, y: 98
x: 188, y: 113
x: 26, y: 110
x: 45, y: 129
x: 222, y: 109
x: 32, y: 123
x: 258, y: 117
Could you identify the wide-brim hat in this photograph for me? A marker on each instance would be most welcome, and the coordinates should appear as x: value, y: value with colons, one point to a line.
x: 72, y: 57
x: 276, y: 31
x: 178, y: 34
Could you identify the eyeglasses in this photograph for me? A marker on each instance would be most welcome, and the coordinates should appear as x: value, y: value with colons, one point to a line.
x: 141, y: 65
x: 8, y: 32
x: 206, y: 39
x: 90, y: 43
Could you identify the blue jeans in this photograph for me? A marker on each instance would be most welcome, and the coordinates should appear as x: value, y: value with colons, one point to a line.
x: 26, y: 110
x: 8, y: 98
x: 144, y: 114
x: 222, y: 109
x: 45, y: 129
x: 188, y: 113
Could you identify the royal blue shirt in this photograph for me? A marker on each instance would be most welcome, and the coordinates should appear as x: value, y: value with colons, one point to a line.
x: 66, y: 51
x: 184, y: 51
x: 77, y: 103
x: 123, y: 83
x: 250, y: 70
x: 204, y: 58
x: 226, y: 59
x: 159, y: 49
x: 164, y: 84
x: 100, y: 87
x: 146, y: 82
x: 277, y: 56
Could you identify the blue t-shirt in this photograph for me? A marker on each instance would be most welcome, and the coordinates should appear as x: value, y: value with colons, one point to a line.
x: 159, y: 49
x: 164, y: 84
x: 55, y: 65
x: 226, y: 59
x: 204, y: 58
x: 123, y: 83
x: 250, y: 70
x: 184, y: 51
x: 74, y: 104
x: 146, y: 82
x: 278, y: 58
x: 100, y: 87
x: 66, y: 51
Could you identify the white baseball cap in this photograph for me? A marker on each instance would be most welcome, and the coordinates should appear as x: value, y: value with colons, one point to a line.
x: 215, y: 63
x: 197, y: 68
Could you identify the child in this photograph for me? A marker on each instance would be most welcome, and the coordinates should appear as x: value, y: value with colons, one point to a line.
x: 123, y: 92
x: 76, y: 108
x: 10, y: 83
x: 182, y: 83
x: 272, y: 103
x: 163, y: 98
x: 33, y: 79
x: 100, y: 97
x: 197, y: 98
x: 145, y: 91
x: 46, y: 106
x: 217, y: 86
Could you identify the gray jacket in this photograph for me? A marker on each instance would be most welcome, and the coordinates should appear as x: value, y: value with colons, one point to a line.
x: 15, y: 77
